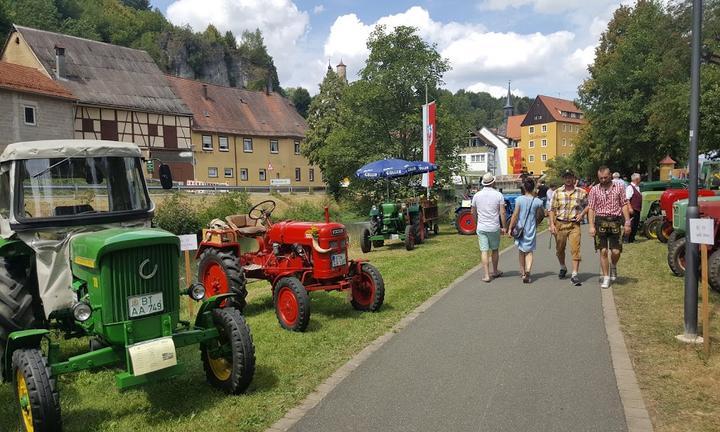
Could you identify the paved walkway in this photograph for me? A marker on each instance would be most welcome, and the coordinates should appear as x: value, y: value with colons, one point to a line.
x: 503, y: 356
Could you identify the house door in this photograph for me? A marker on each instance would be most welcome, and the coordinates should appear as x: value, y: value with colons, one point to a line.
x: 170, y: 136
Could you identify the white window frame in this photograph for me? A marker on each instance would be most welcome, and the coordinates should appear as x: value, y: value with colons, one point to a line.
x: 277, y: 146
x: 262, y: 174
x: 531, y: 158
x: 311, y: 174
x: 206, y: 146
x: 531, y: 144
x: 564, y: 127
x: 247, y: 149
x: 564, y: 142
x: 244, y: 176
x: 543, y: 157
x: 296, y: 146
x: 532, y: 129
x: 543, y: 128
x: 225, y: 172
x: 34, y: 114
x: 220, y: 144
x: 210, y: 171
x: 543, y: 143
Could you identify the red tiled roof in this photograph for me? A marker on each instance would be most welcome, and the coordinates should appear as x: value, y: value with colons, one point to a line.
x: 557, y: 106
x: 29, y: 80
x: 513, y: 126
x: 668, y: 160
x: 237, y: 111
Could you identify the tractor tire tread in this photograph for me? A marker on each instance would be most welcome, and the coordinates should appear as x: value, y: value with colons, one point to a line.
x: 42, y: 389
x: 238, y: 334
x: 303, y: 300
x: 365, y: 243
x: 379, y: 297
x: 714, y: 270
x: 675, y: 249
x: 230, y: 264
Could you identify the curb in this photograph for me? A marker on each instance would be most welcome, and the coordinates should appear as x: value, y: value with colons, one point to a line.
x: 637, y: 418
x: 322, y: 390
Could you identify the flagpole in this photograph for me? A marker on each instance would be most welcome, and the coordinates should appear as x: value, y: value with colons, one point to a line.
x: 427, y: 189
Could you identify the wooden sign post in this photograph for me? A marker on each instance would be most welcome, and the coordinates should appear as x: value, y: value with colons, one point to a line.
x: 188, y: 243
x: 702, y: 231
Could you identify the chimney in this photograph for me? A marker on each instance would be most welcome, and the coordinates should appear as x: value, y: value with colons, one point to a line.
x: 205, y: 91
x: 59, y: 62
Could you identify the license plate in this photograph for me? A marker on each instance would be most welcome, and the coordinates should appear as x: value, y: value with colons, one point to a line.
x: 151, y: 356
x: 394, y: 237
x: 338, y: 260
x: 145, y: 304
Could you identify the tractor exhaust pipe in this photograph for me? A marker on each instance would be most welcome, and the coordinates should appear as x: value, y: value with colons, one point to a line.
x: 327, y: 214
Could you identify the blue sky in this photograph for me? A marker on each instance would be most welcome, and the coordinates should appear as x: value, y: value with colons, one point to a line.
x: 543, y: 46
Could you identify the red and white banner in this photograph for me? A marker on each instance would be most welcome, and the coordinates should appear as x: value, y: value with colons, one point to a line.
x: 429, y: 139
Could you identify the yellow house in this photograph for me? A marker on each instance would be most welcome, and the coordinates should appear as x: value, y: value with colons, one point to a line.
x: 550, y: 129
x: 246, y: 138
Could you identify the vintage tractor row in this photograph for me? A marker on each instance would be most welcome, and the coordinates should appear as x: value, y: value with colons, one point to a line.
x: 296, y: 258
x: 410, y: 222
x: 464, y: 220
x: 79, y: 259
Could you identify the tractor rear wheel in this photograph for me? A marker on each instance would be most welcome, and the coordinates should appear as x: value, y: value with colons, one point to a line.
x: 714, y: 270
x: 365, y: 243
x: 650, y: 227
x: 676, y: 256
x: 16, y: 307
x: 465, y: 223
x: 663, y: 231
x: 369, y: 294
x: 292, y: 304
x: 36, y: 391
x: 418, y: 231
x: 376, y: 230
x: 219, y: 271
x: 436, y: 229
x: 409, y: 237
x: 229, y: 360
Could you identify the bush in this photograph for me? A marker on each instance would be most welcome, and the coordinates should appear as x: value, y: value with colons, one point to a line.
x: 307, y: 211
x: 225, y: 205
x: 177, y: 215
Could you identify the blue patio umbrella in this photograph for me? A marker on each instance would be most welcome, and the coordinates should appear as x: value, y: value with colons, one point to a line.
x: 392, y: 168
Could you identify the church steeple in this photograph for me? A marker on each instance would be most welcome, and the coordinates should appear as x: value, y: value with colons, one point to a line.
x: 508, y: 108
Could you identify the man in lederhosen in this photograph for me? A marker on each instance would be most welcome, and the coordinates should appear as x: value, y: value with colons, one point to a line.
x: 609, y: 222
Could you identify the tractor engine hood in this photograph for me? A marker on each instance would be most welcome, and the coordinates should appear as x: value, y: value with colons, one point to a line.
x: 303, y: 232
x: 87, y: 249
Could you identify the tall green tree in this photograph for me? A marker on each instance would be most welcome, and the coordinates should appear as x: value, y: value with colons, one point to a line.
x: 640, y: 54
x: 252, y: 47
x: 301, y: 99
x: 42, y: 14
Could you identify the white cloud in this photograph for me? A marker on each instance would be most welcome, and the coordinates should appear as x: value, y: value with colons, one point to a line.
x: 549, y: 6
x: 494, y: 90
x: 318, y: 9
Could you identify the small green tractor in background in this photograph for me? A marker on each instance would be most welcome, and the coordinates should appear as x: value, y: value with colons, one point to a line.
x: 394, y: 221
x: 78, y: 259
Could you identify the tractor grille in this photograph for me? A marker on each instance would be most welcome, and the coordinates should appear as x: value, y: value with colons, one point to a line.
x: 121, y: 270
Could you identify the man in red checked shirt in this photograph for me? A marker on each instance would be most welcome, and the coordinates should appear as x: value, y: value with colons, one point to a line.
x: 609, y: 222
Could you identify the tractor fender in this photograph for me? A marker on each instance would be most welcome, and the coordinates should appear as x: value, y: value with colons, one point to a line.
x: 302, y: 278
x: 374, y: 211
x: 20, y: 339
x: 11, y: 247
x: 204, y: 317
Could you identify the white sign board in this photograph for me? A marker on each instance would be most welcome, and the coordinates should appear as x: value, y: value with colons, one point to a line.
x: 280, y: 182
x: 152, y: 355
x: 188, y: 242
x: 702, y: 231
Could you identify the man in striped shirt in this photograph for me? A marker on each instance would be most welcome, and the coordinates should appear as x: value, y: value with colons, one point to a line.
x: 609, y: 222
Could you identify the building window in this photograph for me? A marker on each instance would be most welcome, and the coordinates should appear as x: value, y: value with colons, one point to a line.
x: 564, y: 142
x: 153, y: 130
x: 311, y: 175
x: 262, y: 174
x: 207, y: 145
x: 243, y: 174
x: 543, y: 157
x: 223, y: 144
x: 297, y: 147
x: 228, y: 172
x: 532, y: 129
x: 564, y: 127
x: 247, y: 145
x: 298, y: 176
x: 544, y: 128
x: 212, y: 172
x: 531, y: 144
x: 543, y: 143
x: 531, y: 158
x: 274, y: 146
x: 30, y: 118
x: 88, y: 125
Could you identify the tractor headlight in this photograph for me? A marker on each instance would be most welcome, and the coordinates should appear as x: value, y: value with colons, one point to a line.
x: 196, y: 291
x: 403, y: 206
x: 81, y: 311
x: 374, y: 208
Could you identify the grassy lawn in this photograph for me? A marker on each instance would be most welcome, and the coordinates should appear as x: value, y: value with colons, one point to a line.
x: 680, y: 385
x: 289, y: 365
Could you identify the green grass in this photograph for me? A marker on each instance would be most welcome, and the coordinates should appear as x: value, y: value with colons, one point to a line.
x: 679, y: 383
x: 289, y: 365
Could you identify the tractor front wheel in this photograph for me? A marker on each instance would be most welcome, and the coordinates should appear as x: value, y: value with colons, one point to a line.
x: 292, y: 304
x: 651, y: 226
x: 436, y: 229
x: 465, y: 223
x: 714, y: 270
x: 368, y: 295
x: 663, y: 231
x: 36, y: 391
x: 365, y: 244
x: 220, y: 273
x: 229, y: 360
x: 676, y: 256
x: 419, y: 231
x: 409, y: 237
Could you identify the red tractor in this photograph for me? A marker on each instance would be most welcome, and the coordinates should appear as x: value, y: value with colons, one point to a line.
x: 667, y: 199
x: 295, y: 257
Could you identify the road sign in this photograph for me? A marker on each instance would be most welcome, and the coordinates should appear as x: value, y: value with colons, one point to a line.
x: 702, y: 231
x: 280, y: 182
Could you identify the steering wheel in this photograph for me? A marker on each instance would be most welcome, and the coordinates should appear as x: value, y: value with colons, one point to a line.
x: 262, y: 210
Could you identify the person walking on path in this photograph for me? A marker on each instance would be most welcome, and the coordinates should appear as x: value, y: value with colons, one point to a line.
x: 487, y: 207
x: 542, y: 192
x: 616, y: 179
x: 608, y: 207
x: 634, y: 197
x: 524, y: 220
x: 567, y: 211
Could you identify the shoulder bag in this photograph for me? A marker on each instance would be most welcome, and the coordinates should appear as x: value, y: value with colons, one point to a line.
x: 519, y: 230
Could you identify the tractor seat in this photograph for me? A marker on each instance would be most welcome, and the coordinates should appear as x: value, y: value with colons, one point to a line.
x: 245, y: 226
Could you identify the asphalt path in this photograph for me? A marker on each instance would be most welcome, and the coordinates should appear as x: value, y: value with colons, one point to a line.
x: 503, y: 356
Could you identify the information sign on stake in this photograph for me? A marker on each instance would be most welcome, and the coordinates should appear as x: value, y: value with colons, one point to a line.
x: 188, y: 242
x: 702, y: 231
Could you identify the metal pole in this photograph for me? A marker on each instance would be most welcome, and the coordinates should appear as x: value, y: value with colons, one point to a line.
x: 427, y: 190
x: 691, y: 250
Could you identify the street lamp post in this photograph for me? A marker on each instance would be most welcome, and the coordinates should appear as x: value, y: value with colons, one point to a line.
x: 691, y: 250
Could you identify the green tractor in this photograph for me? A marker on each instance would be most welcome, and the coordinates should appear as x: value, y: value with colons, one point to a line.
x: 394, y: 221
x: 78, y: 259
